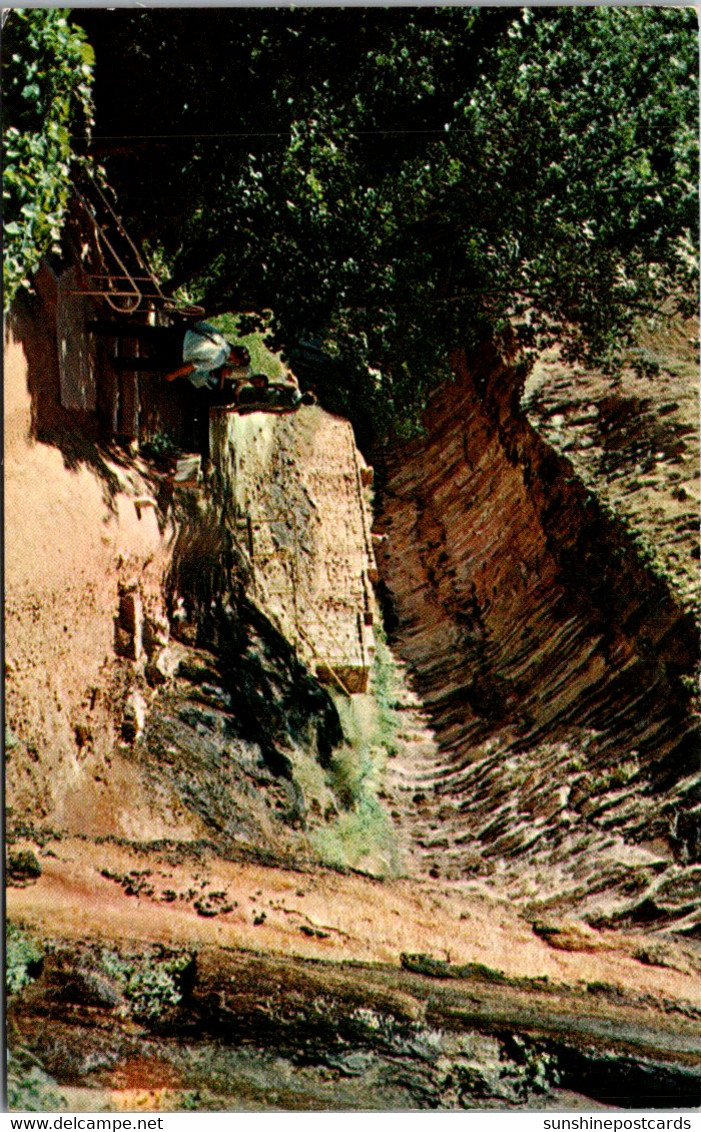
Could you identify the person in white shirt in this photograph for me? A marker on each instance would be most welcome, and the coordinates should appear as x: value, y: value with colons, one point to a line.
x: 207, y: 358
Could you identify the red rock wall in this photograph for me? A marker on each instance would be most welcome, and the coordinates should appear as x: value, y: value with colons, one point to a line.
x: 521, y: 609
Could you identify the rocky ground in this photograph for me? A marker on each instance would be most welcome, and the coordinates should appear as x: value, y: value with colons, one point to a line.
x: 220, y: 983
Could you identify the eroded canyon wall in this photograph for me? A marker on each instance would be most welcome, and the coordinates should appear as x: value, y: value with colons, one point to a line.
x: 554, y: 665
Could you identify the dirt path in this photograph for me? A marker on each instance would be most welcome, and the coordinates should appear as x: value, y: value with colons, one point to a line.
x: 84, y: 892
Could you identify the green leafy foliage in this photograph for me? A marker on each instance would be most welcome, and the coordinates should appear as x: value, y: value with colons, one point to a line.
x: 22, y: 866
x: 360, y: 833
x: 161, y: 446
x: 263, y: 360
x: 23, y: 958
x: 46, y: 76
x: 29, y: 1087
x: 600, y: 108
x: 424, y: 964
x: 150, y: 986
x: 615, y: 778
x: 397, y: 183
x: 533, y: 1069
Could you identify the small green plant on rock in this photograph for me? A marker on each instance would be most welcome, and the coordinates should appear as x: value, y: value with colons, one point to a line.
x: 29, y: 1087
x: 616, y: 777
x: 424, y: 964
x: 532, y: 1069
x: 11, y: 741
x: 149, y: 986
x: 23, y: 959
x: 161, y: 446
x: 22, y: 867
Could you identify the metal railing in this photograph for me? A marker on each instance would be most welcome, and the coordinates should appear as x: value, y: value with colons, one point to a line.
x: 125, y: 291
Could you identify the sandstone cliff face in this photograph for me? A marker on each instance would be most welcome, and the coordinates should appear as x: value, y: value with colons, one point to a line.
x: 551, y: 663
x: 297, y: 499
x: 145, y: 697
x: 635, y: 438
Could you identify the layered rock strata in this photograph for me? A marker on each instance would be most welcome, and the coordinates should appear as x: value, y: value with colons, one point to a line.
x: 298, y: 493
x: 553, y: 665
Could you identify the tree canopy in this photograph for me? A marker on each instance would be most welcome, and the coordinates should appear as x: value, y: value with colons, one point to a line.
x: 397, y: 182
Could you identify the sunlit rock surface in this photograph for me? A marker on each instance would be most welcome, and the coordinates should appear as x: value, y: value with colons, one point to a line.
x: 553, y: 663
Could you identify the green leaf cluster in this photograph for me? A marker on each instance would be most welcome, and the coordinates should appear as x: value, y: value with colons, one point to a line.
x: 150, y: 986
x: 22, y: 958
x: 47, y: 67
x: 29, y: 1087
x: 399, y: 183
